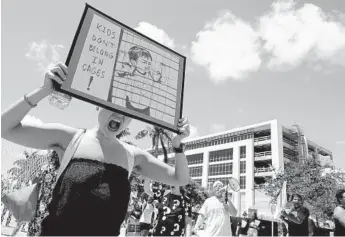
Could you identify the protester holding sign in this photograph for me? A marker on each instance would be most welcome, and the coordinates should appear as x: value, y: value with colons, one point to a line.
x: 92, y: 194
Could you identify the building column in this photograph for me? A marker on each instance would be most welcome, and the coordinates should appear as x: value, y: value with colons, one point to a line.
x: 277, y: 149
x: 250, y: 191
x: 236, y: 175
x: 277, y: 145
x: 205, y: 165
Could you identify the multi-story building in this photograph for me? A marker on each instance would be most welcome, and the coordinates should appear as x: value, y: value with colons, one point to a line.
x: 247, y: 154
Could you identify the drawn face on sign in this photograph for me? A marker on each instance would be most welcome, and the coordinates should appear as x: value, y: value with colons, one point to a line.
x: 142, y: 79
x: 143, y: 65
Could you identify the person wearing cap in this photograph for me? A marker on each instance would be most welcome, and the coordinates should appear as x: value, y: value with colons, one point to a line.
x: 215, y: 213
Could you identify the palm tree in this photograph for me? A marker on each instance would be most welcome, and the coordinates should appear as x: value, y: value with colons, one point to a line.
x: 123, y: 133
x: 159, y: 136
x: 26, y: 169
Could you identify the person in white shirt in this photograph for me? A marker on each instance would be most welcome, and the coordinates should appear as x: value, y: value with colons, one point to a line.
x: 215, y: 213
x: 146, y: 216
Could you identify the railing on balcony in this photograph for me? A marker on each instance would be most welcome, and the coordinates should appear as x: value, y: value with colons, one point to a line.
x: 260, y: 139
x: 288, y: 141
x: 262, y: 169
x: 261, y: 154
x: 290, y: 157
x: 259, y: 186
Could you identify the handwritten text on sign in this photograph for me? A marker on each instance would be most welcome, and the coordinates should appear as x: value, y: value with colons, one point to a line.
x: 95, y: 67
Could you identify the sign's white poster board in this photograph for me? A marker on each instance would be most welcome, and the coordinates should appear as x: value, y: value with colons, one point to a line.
x: 115, y: 67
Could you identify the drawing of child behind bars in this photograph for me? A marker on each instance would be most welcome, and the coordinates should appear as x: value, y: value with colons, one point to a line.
x: 142, y: 80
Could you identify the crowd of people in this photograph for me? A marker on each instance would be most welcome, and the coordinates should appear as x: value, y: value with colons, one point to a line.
x: 91, y: 196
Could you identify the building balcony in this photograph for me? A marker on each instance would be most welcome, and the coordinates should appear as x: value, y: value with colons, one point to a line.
x: 262, y: 140
x: 266, y: 155
x: 290, y: 157
x: 263, y: 171
x: 289, y: 144
x: 259, y: 186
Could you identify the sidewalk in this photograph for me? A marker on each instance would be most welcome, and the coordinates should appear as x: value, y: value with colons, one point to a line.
x: 7, y: 231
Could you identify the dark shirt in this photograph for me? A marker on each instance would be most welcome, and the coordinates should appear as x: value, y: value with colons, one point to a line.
x: 299, y: 229
x: 171, y: 214
x: 90, y: 198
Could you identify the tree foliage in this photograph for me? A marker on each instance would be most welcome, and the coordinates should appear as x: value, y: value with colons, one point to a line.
x: 310, y: 180
x: 26, y: 169
x: 160, y: 138
x: 197, y: 193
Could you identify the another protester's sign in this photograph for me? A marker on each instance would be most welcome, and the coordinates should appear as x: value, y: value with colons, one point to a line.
x: 118, y: 68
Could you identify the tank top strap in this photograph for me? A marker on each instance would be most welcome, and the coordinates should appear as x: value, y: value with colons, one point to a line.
x: 130, y: 157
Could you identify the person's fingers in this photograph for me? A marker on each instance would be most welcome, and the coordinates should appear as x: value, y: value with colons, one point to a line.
x: 59, y: 72
x: 53, y: 77
x: 182, y: 121
x: 63, y: 67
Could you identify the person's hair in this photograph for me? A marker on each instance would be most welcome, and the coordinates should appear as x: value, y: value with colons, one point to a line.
x: 339, y: 195
x: 254, y: 213
x: 53, y: 159
x: 136, y: 52
x: 217, y: 183
x: 296, y: 195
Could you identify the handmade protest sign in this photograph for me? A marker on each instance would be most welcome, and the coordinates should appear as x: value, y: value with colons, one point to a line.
x: 113, y: 66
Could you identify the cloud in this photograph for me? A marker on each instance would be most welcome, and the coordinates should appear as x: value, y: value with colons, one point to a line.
x: 193, y: 132
x: 228, y: 47
x: 156, y: 34
x: 32, y: 120
x: 293, y: 35
x: 44, y: 54
x: 240, y: 111
x: 282, y: 38
x: 340, y: 142
x: 215, y: 127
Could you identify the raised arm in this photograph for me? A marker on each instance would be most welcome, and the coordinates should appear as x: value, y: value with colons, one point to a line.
x: 299, y: 218
x: 157, y: 170
x: 232, y: 208
x: 26, y: 133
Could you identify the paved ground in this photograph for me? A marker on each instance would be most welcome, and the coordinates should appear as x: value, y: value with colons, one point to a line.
x: 7, y: 231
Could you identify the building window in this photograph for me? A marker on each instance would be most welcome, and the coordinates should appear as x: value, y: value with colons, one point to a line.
x: 242, y: 167
x: 220, y: 169
x: 195, y: 171
x: 195, y: 159
x: 243, y: 152
x: 221, y: 155
x: 198, y: 181
x: 243, y: 182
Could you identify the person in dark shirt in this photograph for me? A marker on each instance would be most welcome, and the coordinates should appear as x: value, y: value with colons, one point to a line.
x: 297, y: 218
x: 339, y: 214
x: 174, y: 211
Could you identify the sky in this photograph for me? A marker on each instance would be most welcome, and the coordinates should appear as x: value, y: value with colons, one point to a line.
x: 247, y: 61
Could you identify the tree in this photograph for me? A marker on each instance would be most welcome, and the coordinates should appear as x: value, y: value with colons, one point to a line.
x: 26, y: 169
x: 310, y: 180
x: 159, y: 136
x: 197, y: 193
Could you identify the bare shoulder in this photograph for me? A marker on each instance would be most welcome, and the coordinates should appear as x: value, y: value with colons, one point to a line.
x: 339, y: 210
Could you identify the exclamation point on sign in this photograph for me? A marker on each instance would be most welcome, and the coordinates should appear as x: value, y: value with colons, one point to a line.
x: 91, y: 79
